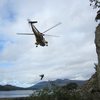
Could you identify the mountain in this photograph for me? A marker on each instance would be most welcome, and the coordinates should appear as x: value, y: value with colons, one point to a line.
x: 10, y: 87
x: 41, y: 85
x: 58, y: 82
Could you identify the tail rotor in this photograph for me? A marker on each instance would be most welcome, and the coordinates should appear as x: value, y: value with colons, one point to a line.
x: 31, y: 22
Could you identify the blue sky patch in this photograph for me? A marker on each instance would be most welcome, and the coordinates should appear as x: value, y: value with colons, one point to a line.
x: 5, y: 64
x: 3, y: 42
x: 1, y: 45
x: 8, y: 13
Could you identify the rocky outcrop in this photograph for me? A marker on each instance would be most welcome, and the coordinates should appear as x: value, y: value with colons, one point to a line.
x: 91, y: 90
x: 97, y: 43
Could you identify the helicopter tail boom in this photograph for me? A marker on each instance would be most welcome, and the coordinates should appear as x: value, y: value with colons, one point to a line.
x: 32, y: 22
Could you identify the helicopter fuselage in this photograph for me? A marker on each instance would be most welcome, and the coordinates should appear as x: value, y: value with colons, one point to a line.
x: 40, y: 40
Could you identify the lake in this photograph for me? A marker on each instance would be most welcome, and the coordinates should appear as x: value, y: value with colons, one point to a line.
x: 15, y: 93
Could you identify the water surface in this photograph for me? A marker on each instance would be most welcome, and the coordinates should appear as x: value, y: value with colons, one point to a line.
x: 15, y: 93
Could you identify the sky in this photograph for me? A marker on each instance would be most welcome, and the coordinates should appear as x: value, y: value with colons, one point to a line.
x: 70, y: 56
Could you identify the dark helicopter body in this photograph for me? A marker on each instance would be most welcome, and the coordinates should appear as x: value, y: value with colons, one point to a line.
x: 40, y: 40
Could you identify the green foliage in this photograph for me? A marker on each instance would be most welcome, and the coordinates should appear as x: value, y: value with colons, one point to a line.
x: 71, y: 86
x: 96, y: 4
x: 59, y: 93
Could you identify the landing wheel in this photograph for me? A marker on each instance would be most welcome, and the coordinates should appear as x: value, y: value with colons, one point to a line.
x: 46, y: 44
x: 36, y: 44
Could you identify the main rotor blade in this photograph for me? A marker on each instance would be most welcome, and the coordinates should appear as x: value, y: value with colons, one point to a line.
x: 51, y: 27
x: 51, y: 35
x: 25, y: 33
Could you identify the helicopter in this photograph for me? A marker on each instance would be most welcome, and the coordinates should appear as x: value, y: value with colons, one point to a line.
x: 40, y: 40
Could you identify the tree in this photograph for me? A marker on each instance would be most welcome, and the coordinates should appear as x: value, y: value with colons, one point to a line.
x: 71, y: 86
x: 95, y: 3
